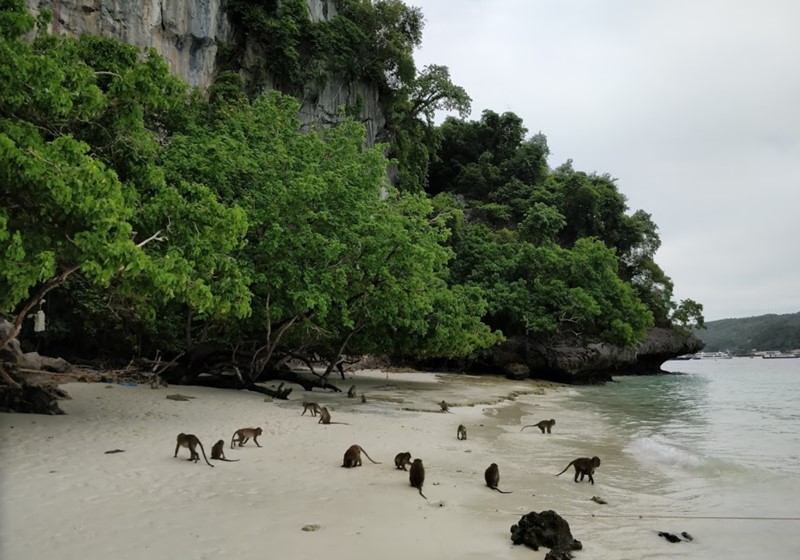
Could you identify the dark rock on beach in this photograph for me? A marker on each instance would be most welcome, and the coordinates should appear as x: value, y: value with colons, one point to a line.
x: 546, y: 529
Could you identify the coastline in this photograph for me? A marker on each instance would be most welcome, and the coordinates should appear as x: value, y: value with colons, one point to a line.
x: 64, y: 497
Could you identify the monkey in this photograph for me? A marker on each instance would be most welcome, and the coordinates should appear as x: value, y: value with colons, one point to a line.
x: 218, y: 453
x: 311, y: 407
x: 191, y: 442
x: 363, y: 398
x: 417, y: 476
x: 402, y: 459
x: 492, y: 476
x: 445, y: 407
x: 543, y: 425
x: 352, y: 457
x: 325, y: 417
x: 584, y: 467
x: 244, y: 434
x: 352, y: 392
x: 461, y: 433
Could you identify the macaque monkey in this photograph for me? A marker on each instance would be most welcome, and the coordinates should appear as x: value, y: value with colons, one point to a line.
x: 461, y: 433
x: 584, y: 467
x: 311, y: 407
x: 191, y: 442
x: 325, y: 417
x: 352, y: 392
x: 363, y: 398
x: 543, y: 425
x: 244, y: 434
x: 218, y: 452
x: 445, y: 408
x: 492, y: 476
x: 417, y: 476
x: 402, y: 459
x: 352, y: 457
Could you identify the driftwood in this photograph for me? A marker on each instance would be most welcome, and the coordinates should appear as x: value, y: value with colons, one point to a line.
x: 179, y: 397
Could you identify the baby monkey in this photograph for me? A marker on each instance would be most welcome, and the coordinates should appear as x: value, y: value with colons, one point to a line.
x: 492, y: 476
x: 191, y: 442
x: 543, y: 425
x: 243, y: 434
x: 584, y: 466
x: 352, y: 392
x: 461, y: 433
x: 402, y: 459
x: 218, y: 452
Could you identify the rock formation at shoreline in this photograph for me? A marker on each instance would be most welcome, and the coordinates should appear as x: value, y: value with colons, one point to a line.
x: 592, y: 363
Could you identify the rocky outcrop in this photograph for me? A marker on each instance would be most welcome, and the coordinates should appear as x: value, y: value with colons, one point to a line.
x: 546, y: 529
x: 594, y: 363
x: 189, y: 34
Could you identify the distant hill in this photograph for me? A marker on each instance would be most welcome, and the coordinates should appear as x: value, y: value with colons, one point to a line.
x: 740, y: 336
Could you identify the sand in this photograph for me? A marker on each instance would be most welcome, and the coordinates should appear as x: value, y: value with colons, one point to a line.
x: 63, y: 497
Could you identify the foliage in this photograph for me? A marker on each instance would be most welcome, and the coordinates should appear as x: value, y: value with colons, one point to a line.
x: 80, y: 190
x: 760, y: 333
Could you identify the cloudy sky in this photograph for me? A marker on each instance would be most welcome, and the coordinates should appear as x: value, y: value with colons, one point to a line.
x: 694, y: 105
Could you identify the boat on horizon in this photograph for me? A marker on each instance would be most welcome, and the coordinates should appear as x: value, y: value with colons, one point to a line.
x: 712, y: 356
x: 775, y: 354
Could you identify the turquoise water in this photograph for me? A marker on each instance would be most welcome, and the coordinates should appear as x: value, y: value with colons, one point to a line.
x: 714, y: 452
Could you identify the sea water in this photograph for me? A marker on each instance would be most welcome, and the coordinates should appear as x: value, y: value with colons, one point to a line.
x: 713, y: 451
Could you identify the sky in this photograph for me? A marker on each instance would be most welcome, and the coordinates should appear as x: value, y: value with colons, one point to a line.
x: 694, y: 106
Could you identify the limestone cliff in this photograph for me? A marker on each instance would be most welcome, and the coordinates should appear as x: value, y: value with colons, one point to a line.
x: 189, y: 34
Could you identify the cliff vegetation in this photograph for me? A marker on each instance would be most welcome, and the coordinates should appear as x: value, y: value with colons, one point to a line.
x: 146, y: 217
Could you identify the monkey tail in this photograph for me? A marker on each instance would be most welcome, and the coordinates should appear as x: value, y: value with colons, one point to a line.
x: 233, y: 438
x: 565, y: 468
x: 204, y: 454
x: 370, y: 458
x: 531, y: 426
x: 420, y: 492
x: 502, y: 492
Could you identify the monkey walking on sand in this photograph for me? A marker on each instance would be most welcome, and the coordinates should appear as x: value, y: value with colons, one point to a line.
x: 543, y: 425
x: 416, y: 476
x: 461, y: 432
x: 312, y: 407
x: 244, y: 434
x: 352, y: 457
x: 218, y: 452
x: 191, y: 442
x: 492, y: 476
x: 584, y: 466
x: 445, y: 407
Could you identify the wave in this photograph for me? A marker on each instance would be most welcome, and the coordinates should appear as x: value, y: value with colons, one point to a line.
x: 657, y: 449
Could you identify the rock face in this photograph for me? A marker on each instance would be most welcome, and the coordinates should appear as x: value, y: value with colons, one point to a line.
x: 189, y: 33
x: 546, y: 529
x: 595, y: 363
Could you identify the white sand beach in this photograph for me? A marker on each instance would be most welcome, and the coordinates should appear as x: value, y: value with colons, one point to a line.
x: 64, y: 498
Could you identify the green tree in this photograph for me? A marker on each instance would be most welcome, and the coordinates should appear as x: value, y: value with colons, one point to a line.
x: 65, y: 210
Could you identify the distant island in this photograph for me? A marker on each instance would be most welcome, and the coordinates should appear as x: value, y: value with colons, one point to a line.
x: 747, y: 335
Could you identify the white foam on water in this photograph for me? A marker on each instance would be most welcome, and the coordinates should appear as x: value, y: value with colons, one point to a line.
x: 658, y: 449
